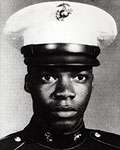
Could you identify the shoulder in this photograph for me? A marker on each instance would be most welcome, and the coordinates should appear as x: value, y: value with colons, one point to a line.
x: 107, y: 139
x: 12, y: 141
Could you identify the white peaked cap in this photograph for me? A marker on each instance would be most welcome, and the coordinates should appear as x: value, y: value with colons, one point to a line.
x: 61, y: 22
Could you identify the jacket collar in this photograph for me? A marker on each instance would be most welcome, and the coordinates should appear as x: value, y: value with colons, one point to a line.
x: 36, y: 132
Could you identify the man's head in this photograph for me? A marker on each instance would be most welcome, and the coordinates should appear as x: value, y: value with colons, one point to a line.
x: 60, y: 95
x: 60, y: 43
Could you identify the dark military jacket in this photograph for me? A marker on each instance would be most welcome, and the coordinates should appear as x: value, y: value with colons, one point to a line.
x: 34, y: 138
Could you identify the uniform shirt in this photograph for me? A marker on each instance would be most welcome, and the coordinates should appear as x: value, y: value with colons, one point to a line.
x: 34, y: 138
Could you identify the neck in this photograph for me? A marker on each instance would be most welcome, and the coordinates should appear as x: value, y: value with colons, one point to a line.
x: 36, y: 132
x: 41, y: 126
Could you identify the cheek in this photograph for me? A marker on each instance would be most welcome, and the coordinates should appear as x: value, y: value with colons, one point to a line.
x: 83, y: 92
x: 45, y: 93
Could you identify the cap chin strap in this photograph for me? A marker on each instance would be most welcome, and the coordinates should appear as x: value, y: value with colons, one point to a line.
x: 62, y: 61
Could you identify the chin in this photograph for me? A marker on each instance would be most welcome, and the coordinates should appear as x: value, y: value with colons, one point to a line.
x: 64, y: 125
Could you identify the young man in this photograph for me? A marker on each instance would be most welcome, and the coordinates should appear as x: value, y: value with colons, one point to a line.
x: 60, y: 43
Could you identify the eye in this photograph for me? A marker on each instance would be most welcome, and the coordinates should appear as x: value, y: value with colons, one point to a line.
x: 81, y: 78
x: 48, y: 78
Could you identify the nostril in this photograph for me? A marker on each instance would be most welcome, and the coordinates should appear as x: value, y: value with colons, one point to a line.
x: 64, y: 95
x: 72, y: 96
x: 59, y: 97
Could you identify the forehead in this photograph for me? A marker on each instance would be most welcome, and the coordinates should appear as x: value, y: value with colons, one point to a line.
x: 59, y: 68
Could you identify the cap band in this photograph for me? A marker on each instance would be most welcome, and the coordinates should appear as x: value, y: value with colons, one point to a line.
x: 61, y: 54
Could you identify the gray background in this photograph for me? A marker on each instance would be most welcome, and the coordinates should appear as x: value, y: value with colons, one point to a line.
x: 16, y: 106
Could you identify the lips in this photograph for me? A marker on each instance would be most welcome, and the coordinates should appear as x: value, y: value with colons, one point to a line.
x: 64, y: 112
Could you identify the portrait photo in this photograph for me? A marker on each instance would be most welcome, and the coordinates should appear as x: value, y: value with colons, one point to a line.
x: 60, y: 75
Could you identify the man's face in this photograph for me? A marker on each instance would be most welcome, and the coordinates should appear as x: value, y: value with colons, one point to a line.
x: 60, y: 95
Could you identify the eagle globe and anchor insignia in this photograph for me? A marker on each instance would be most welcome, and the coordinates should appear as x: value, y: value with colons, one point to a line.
x: 64, y: 10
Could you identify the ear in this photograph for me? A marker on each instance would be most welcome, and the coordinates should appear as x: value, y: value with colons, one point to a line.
x: 27, y: 83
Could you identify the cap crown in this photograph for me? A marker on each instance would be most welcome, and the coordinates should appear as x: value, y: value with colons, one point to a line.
x: 61, y: 22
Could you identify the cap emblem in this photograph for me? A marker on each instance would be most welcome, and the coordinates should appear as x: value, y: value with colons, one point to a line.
x: 64, y: 10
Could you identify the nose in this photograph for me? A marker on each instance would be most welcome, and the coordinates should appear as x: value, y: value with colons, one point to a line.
x: 64, y: 89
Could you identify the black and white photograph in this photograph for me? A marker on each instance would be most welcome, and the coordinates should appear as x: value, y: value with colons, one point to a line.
x: 60, y: 75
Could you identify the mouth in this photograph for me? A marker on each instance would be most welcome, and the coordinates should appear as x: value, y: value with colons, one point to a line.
x: 64, y: 112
